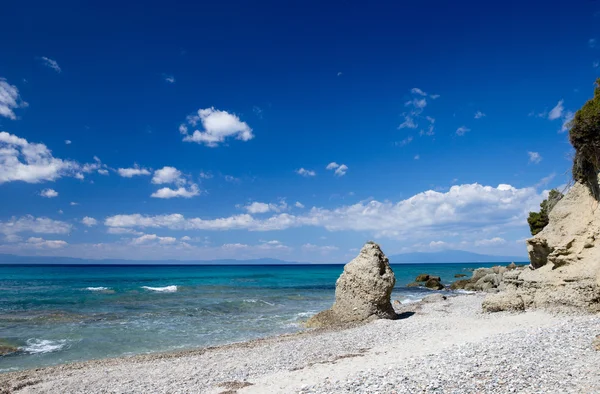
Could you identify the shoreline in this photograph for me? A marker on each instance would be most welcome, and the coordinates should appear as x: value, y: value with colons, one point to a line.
x: 327, y: 360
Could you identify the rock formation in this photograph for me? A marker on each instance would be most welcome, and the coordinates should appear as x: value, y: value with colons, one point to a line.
x: 490, y: 280
x: 362, y: 292
x: 429, y: 281
x: 565, y: 261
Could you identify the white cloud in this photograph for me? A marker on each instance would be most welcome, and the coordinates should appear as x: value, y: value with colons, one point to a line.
x: 123, y: 231
x: 479, y: 115
x: 438, y: 245
x: 417, y: 103
x: 231, y: 179
x: 298, y: 204
x: 72, y: 203
x: 405, y: 141
x: 153, y: 238
x: 418, y: 91
x: 133, y: 171
x: 340, y: 169
x: 496, y: 241
x: 464, y: 209
x: 218, y: 126
x: 167, y: 175
x: 592, y: 42
x: 51, y: 63
x: 10, y: 99
x: 169, y: 78
x: 89, y: 221
x: 21, y: 160
x: 462, y: 130
x: 534, y: 157
x: 261, y: 207
x: 557, y: 111
x: 68, y: 142
x: 305, y: 172
x: 30, y: 224
x: 167, y: 193
x: 567, y: 119
x: 205, y: 175
x: 102, y: 171
x: 257, y: 207
x: 49, y: 193
x: 409, y: 123
x: 42, y: 243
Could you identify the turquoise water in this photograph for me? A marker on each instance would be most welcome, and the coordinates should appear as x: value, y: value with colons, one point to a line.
x: 61, y: 313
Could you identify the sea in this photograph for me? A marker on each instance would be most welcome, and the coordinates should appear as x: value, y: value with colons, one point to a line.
x: 66, y: 313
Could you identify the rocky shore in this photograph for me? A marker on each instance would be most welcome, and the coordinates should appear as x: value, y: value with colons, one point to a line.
x: 444, y: 346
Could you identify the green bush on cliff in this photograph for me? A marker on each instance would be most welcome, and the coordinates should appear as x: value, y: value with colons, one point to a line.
x: 538, y: 220
x: 584, y: 135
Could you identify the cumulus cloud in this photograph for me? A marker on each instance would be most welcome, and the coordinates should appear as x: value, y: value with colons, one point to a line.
x: 123, y: 231
x: 205, y: 175
x: 462, y: 130
x: 51, y: 64
x: 49, y: 193
x: 102, y: 171
x: 184, y: 192
x: 10, y: 99
x: 30, y: 224
x: 133, y: 171
x: 416, y: 107
x: 167, y: 175
x: 409, y: 122
x: 298, y: 204
x: 340, y: 169
x: 479, y: 115
x: 153, y: 238
x: 89, y: 221
x: 305, y: 172
x: 557, y: 111
x: 68, y: 142
x: 534, y: 157
x: 218, y: 126
x: 469, y: 208
x: 418, y: 91
x: 261, y: 207
x: 21, y: 160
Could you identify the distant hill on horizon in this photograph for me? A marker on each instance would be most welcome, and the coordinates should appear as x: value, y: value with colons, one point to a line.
x: 446, y: 256
x: 453, y: 256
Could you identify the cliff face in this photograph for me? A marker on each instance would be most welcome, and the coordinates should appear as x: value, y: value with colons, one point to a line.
x: 565, y: 261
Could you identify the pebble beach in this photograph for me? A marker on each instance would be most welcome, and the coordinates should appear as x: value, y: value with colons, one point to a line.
x: 448, y: 346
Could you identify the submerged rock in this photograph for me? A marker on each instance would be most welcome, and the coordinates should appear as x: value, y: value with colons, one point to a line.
x: 7, y: 348
x: 434, y: 283
x: 422, y: 278
x: 362, y: 292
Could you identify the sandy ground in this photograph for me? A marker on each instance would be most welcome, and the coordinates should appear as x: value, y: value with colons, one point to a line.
x: 444, y: 347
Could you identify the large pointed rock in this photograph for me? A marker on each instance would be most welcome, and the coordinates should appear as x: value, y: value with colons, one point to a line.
x: 362, y: 292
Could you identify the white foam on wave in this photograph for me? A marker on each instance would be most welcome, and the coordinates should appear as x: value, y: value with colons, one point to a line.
x: 100, y: 288
x: 166, y: 289
x: 36, y: 346
x: 253, y: 301
x: 461, y: 291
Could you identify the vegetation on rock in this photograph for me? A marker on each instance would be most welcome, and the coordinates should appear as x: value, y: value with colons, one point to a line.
x: 584, y: 135
x: 538, y: 220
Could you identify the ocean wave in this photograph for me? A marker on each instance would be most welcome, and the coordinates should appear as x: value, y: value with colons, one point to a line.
x: 100, y: 288
x: 461, y: 291
x: 36, y: 346
x: 253, y: 301
x: 166, y: 289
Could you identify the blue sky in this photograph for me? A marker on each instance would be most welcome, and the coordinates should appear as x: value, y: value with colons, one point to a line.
x: 293, y: 130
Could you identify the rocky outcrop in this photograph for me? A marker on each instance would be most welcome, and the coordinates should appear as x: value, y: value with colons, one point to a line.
x: 565, y: 261
x: 429, y: 281
x: 362, y: 292
x: 490, y: 280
